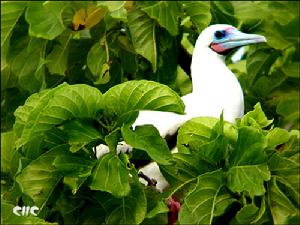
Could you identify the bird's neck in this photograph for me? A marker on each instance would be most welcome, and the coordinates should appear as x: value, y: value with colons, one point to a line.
x: 208, y: 69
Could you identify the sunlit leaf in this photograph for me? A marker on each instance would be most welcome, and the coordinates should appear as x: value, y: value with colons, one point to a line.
x: 45, y: 19
x: 141, y: 95
x: 10, y: 13
x: 96, y: 59
x: 248, y: 168
x: 281, y: 207
x: 131, y: 209
x: 256, y: 118
x: 28, y: 65
x: 147, y: 138
x: 40, y: 177
x: 199, y: 12
x: 199, y: 204
x: 166, y: 13
x: 142, y: 29
x: 116, y: 9
x: 111, y: 175
x: 44, y: 110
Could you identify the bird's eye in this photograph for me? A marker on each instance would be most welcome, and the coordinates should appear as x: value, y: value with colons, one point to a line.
x: 220, y: 34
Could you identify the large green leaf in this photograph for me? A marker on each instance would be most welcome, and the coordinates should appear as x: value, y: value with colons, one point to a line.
x: 39, y: 179
x: 45, y: 19
x: 28, y: 65
x: 248, y: 168
x: 197, y: 130
x: 248, y: 178
x: 199, y: 204
x: 185, y: 167
x: 111, y: 175
x: 281, y: 207
x: 10, y: 13
x: 147, y: 138
x: 131, y: 209
x: 256, y: 118
x: 57, y: 60
x: 142, y: 30
x: 7, y: 217
x: 166, y: 13
x: 277, y: 136
x: 199, y: 12
x: 141, y: 95
x: 43, y: 111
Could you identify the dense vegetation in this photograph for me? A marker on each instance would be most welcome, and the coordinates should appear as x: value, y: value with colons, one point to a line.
x: 75, y: 74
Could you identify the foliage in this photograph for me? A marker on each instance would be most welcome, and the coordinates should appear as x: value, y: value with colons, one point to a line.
x: 75, y: 74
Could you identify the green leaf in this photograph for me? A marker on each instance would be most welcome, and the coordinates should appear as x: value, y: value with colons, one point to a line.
x: 43, y: 111
x: 80, y: 133
x: 141, y: 95
x: 246, y: 215
x: 259, y: 61
x: 288, y: 107
x: 39, y: 179
x: 256, y: 118
x: 199, y: 204
x: 292, y: 69
x: 10, y: 13
x: 45, y: 19
x: 57, y: 60
x: 166, y: 13
x: 142, y: 30
x: 185, y: 167
x: 131, y: 209
x: 223, y: 13
x: 281, y: 207
x: 116, y: 9
x: 28, y: 65
x: 72, y: 165
x: 248, y: 178
x: 7, y: 217
x: 96, y: 58
x: 7, y: 150
x: 197, y: 130
x: 111, y: 175
x: 277, y: 136
x: 147, y: 138
x: 248, y: 170
x: 199, y: 12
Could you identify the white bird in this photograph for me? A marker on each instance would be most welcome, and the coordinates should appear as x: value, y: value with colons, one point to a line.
x: 215, y: 88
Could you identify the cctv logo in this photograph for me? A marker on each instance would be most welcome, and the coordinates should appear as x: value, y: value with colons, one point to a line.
x: 25, y: 210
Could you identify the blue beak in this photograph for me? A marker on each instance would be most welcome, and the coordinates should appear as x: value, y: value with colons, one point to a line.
x: 237, y: 38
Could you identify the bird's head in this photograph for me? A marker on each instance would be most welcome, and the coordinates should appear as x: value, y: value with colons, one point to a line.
x: 222, y: 38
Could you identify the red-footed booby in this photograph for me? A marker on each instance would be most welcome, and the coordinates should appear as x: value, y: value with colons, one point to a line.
x: 215, y: 88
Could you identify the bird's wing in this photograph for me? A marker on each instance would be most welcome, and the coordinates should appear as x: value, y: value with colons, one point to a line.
x: 167, y: 123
